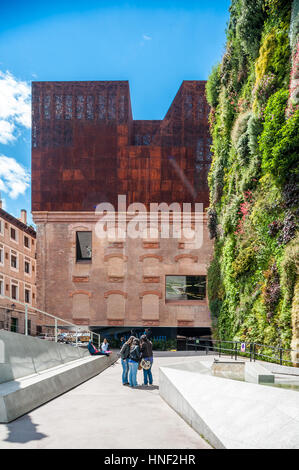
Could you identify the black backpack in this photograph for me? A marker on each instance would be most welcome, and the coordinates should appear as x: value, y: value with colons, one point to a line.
x: 135, y: 354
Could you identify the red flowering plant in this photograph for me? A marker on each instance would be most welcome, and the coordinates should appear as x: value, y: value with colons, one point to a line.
x: 243, y: 212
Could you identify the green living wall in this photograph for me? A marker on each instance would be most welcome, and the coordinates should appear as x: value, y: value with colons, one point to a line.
x: 253, y: 215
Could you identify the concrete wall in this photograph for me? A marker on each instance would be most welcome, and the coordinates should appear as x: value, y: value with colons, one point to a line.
x: 34, y: 371
x: 21, y: 355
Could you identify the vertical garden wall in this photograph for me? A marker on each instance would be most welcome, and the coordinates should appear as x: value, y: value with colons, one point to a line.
x: 253, y: 282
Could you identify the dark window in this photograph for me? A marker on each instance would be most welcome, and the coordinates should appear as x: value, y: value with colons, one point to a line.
x: 26, y: 241
x: 12, y: 233
x: 39, y: 330
x: 13, y: 261
x: 27, y: 296
x: 14, y: 325
x: 185, y: 287
x: 83, y: 246
x: 27, y: 267
x: 14, y: 291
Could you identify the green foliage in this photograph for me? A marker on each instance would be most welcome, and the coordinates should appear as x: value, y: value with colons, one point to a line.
x: 244, y: 262
x: 279, y: 141
x: 254, y: 178
x: 213, y: 86
x: 254, y: 129
x: 162, y: 345
x: 249, y: 26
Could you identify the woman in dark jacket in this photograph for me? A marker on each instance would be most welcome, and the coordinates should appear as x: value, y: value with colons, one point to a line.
x: 134, y: 359
x: 146, y: 349
x: 124, y: 355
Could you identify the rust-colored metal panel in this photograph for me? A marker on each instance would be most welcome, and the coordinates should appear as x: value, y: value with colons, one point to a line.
x: 86, y: 148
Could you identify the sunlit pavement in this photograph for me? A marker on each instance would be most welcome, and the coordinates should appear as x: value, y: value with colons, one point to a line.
x: 103, y: 414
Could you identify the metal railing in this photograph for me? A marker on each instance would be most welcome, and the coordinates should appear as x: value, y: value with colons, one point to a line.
x: 252, y: 351
x: 47, y: 325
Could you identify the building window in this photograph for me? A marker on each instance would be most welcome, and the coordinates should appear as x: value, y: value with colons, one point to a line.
x: 1, y: 287
x: 146, y: 139
x: 185, y: 287
x: 14, y: 292
x: 27, y: 267
x: 68, y: 107
x: 122, y: 107
x: 1, y: 255
x: 14, y: 325
x: 39, y: 330
x: 80, y: 107
x: 111, y: 106
x: 26, y: 242
x: 14, y: 261
x: 58, y: 106
x: 13, y: 234
x: 90, y: 107
x: 83, y: 246
x: 1, y: 228
x: 47, y: 107
x: 102, y: 107
x: 27, y: 296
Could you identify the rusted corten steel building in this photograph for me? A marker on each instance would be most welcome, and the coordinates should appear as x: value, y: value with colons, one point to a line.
x: 88, y: 149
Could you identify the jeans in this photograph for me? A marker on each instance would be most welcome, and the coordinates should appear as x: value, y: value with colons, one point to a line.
x: 147, y: 373
x: 133, y: 368
x: 125, y: 366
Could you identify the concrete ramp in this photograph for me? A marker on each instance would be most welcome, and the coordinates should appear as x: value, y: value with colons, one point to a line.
x: 34, y: 371
x: 232, y: 414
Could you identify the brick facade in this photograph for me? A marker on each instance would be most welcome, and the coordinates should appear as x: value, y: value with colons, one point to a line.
x: 87, y: 149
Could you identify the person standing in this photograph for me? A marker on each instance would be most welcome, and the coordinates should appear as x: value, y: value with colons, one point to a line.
x: 148, y: 333
x: 104, y: 345
x: 134, y: 359
x: 124, y: 355
x: 146, y: 352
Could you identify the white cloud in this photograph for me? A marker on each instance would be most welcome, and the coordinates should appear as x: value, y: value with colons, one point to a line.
x: 146, y: 37
x: 15, y: 106
x: 6, y: 132
x: 14, y: 178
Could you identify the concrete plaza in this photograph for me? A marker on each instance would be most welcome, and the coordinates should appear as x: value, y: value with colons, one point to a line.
x: 101, y: 413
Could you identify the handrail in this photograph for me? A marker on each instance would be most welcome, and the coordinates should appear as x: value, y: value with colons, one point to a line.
x: 243, y: 348
x: 28, y: 309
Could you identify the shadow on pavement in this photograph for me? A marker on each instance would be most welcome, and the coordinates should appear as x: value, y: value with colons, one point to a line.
x: 147, y: 387
x: 23, y: 430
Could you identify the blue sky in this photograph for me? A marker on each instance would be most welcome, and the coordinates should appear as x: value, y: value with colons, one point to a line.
x: 153, y: 44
